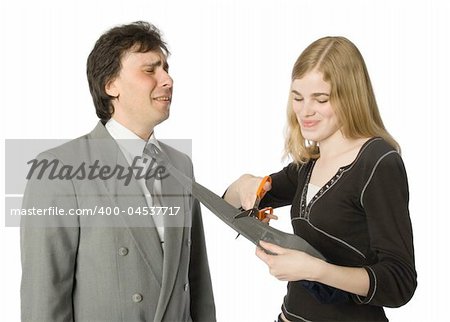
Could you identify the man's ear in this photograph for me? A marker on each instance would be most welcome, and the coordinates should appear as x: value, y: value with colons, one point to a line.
x: 111, y: 88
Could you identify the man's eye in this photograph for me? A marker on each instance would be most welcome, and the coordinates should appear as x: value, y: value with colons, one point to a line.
x: 149, y: 71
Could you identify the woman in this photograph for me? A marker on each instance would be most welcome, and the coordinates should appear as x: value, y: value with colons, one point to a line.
x: 349, y: 194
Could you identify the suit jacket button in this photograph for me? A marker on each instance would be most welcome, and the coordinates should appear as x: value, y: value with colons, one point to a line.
x: 123, y: 251
x: 186, y: 287
x: 137, y: 298
x: 189, y: 242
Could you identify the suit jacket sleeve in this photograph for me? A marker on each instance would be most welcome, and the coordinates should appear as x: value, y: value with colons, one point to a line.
x: 202, y: 299
x: 48, y: 254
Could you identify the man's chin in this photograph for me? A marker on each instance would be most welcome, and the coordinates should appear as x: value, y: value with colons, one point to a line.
x: 164, y: 116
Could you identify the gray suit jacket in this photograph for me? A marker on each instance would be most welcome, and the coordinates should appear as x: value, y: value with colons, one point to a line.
x: 107, y: 267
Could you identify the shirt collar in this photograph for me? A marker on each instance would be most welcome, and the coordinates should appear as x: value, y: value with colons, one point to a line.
x: 127, y: 140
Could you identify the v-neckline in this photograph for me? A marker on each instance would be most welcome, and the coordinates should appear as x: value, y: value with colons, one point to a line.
x: 305, y: 207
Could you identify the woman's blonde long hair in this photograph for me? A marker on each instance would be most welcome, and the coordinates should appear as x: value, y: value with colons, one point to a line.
x: 351, y: 96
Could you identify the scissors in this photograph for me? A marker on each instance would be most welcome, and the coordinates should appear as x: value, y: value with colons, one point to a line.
x: 255, y: 211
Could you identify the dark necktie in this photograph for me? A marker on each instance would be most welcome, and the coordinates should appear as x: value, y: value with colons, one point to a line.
x: 154, y: 184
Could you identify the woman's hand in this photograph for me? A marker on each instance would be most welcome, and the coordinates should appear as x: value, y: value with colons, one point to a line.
x: 242, y: 192
x: 294, y: 265
x: 288, y: 264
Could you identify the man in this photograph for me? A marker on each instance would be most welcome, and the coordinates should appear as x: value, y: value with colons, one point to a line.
x: 118, y: 266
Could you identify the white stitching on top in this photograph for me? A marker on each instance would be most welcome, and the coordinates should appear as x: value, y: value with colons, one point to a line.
x: 371, y: 175
x: 374, y: 288
x: 369, y: 142
x: 320, y: 194
x: 338, y: 175
x: 297, y: 316
x: 332, y: 237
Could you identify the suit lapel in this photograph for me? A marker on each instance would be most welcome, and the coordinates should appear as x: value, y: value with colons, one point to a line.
x: 173, y: 196
x: 124, y: 196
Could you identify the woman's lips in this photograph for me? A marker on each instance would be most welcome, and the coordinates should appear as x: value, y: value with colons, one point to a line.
x: 309, y: 124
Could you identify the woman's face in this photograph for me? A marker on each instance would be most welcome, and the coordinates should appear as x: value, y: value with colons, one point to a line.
x: 311, y: 104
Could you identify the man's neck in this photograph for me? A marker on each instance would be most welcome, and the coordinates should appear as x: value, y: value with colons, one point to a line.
x: 143, y: 132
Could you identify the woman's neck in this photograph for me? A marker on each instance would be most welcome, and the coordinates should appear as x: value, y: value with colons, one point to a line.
x: 337, y: 144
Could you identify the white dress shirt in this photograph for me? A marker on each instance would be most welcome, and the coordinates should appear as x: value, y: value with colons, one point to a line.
x: 133, y: 146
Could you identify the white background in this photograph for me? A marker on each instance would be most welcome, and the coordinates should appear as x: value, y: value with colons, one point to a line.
x: 231, y: 62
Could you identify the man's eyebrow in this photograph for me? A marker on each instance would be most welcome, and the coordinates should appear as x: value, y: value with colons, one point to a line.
x: 157, y: 63
x: 154, y: 64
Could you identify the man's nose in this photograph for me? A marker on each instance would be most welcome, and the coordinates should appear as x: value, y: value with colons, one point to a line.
x: 166, y: 80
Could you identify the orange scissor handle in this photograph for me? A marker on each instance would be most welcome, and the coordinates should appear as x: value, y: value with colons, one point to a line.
x: 262, y: 214
x: 261, y: 191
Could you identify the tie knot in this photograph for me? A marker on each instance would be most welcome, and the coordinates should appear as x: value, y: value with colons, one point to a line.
x: 152, y: 150
x: 155, y: 153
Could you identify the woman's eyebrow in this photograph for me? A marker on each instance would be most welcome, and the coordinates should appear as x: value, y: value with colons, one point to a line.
x: 313, y: 94
x: 320, y: 94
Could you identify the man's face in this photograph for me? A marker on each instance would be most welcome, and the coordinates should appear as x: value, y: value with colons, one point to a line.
x: 144, y: 91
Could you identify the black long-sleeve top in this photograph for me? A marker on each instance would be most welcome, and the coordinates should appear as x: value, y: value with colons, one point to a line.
x: 359, y: 218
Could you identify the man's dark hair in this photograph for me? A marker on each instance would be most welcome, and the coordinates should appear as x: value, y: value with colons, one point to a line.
x: 104, y: 61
